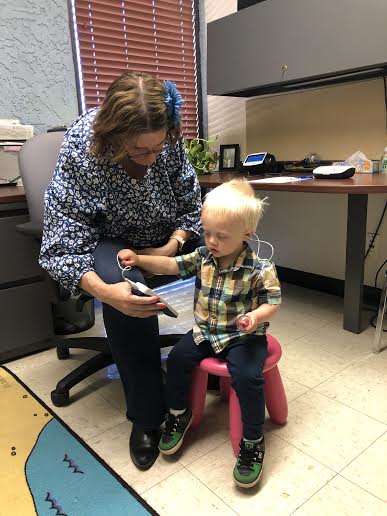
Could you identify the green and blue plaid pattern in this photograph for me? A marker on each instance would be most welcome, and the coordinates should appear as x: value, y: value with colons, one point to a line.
x: 223, y: 295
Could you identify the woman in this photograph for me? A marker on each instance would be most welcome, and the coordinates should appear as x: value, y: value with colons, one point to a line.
x: 123, y: 180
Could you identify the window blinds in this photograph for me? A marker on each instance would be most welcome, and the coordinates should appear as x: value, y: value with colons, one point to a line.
x: 156, y: 36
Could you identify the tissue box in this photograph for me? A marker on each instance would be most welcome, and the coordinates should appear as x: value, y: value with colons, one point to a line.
x: 361, y: 167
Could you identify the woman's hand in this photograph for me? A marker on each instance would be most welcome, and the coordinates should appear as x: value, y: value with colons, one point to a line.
x: 120, y: 297
x: 169, y: 249
x: 128, y: 258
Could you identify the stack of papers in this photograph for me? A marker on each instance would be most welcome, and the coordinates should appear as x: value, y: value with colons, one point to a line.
x: 281, y: 179
x: 12, y: 129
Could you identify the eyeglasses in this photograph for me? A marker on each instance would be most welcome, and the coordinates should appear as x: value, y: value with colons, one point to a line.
x: 156, y: 152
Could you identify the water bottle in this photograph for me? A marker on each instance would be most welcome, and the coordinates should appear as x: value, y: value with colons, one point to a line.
x: 383, y: 162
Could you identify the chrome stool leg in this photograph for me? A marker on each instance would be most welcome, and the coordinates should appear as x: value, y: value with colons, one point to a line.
x: 379, y: 323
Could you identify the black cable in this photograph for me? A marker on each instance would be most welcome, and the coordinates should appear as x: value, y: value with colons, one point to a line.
x: 376, y: 232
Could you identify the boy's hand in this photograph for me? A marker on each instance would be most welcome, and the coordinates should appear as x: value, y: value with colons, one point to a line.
x: 245, y: 323
x: 128, y: 257
x: 250, y: 320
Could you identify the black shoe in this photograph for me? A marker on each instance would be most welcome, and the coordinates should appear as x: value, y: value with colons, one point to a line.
x: 143, y: 446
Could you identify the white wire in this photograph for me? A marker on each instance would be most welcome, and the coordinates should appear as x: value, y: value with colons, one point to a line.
x: 258, y: 241
x: 123, y: 269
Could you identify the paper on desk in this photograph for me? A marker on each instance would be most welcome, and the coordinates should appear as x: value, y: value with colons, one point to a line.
x: 281, y: 179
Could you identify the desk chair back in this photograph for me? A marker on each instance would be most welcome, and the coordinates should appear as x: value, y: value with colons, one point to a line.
x: 37, y: 160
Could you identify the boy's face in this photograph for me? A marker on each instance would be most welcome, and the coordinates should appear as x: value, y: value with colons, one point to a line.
x: 224, y: 236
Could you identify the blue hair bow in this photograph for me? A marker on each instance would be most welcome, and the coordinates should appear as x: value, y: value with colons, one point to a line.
x: 173, y: 101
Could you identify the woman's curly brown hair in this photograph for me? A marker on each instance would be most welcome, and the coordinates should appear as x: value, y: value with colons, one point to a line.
x: 134, y: 104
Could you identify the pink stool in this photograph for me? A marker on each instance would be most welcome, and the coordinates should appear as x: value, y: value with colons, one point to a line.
x: 275, y: 397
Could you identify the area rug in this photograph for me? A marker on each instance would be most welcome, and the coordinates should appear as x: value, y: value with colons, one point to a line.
x: 46, y: 469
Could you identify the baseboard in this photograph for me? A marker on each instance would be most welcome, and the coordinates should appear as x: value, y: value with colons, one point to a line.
x: 325, y: 284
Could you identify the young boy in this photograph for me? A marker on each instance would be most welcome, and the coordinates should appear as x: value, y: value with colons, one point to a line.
x: 231, y: 281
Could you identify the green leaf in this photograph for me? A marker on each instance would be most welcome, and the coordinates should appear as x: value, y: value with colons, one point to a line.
x: 200, y: 155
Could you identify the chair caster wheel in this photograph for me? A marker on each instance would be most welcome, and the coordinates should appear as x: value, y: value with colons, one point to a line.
x: 60, y: 399
x: 62, y: 353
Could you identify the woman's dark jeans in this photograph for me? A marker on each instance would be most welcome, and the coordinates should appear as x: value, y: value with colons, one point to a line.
x: 134, y: 341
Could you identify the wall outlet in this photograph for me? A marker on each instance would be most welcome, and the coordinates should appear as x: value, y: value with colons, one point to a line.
x: 374, y: 248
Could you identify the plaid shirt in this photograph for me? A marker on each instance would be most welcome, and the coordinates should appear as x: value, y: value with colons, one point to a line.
x: 223, y: 295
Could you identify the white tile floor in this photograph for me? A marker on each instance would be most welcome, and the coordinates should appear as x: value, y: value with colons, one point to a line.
x: 330, y: 458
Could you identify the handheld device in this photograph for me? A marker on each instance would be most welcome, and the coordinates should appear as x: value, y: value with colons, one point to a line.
x: 139, y: 289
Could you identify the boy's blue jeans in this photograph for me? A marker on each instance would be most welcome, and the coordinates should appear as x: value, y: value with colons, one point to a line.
x: 245, y: 359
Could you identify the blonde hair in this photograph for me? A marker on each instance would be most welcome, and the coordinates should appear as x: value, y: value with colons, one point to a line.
x: 134, y: 104
x: 237, y: 200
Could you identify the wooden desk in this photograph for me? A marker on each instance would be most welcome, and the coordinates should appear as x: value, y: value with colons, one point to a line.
x: 357, y: 189
x: 12, y: 194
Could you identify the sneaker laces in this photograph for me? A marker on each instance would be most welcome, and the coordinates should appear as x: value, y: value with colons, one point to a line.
x: 248, y: 456
x: 173, y: 424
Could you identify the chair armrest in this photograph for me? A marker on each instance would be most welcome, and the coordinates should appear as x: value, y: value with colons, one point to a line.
x: 32, y: 229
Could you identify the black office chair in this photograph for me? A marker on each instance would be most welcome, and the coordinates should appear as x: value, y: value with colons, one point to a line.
x: 37, y: 160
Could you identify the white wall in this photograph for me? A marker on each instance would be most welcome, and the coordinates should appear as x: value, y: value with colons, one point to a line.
x: 308, y: 231
x: 37, y: 79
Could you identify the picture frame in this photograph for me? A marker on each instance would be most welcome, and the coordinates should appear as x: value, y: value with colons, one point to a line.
x: 229, y: 156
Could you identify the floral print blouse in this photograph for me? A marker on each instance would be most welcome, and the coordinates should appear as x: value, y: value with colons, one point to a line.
x: 89, y: 199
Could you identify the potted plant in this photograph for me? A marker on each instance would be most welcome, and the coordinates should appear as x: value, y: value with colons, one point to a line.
x: 200, y: 155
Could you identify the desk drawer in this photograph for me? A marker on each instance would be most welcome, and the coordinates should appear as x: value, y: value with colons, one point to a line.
x: 25, y: 320
x: 18, y: 253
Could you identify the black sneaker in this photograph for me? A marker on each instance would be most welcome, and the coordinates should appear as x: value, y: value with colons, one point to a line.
x: 174, y: 432
x: 248, y: 467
